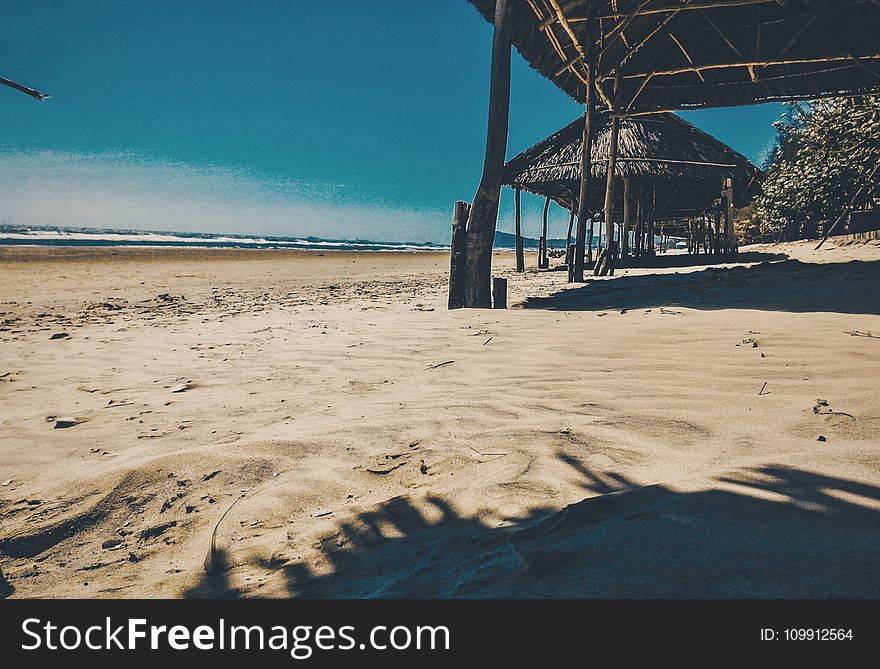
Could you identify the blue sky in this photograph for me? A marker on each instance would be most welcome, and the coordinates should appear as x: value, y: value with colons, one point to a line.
x: 334, y: 118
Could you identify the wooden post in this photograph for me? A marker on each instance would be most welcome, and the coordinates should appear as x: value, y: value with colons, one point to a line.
x: 520, y: 254
x: 581, y: 239
x: 499, y: 293
x: 484, y: 211
x: 568, y: 234
x: 652, y: 203
x: 589, y: 243
x: 604, y: 264
x: 625, y: 226
x: 543, y: 260
x: 458, y: 256
x: 640, y: 208
x: 717, y: 237
x: 728, y: 216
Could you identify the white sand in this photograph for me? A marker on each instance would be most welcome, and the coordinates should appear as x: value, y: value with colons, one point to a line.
x: 310, y: 389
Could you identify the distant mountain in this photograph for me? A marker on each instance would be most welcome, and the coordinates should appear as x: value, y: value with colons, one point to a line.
x: 505, y: 240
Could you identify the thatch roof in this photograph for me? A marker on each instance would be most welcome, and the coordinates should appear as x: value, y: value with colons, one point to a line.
x: 677, y: 54
x: 684, y: 163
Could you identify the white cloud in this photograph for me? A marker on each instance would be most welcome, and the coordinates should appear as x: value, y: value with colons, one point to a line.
x: 116, y: 190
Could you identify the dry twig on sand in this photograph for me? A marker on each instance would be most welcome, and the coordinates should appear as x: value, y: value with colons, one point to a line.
x: 859, y: 333
x: 439, y: 364
x: 487, y: 455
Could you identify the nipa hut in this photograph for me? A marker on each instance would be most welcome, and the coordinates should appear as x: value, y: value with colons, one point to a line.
x: 673, y: 178
x: 646, y: 56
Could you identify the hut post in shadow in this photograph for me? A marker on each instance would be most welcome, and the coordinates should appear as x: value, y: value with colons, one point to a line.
x: 627, y: 215
x: 520, y: 255
x: 568, y: 247
x: 543, y: 260
x: 605, y: 262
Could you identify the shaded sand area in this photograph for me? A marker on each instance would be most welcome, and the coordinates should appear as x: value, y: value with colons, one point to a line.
x: 277, y: 423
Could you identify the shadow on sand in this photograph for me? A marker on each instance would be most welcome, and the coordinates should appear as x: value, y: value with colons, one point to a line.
x: 788, y: 285
x: 671, y: 260
x: 771, y: 531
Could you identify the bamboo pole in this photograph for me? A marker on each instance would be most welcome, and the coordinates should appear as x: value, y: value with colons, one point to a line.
x: 584, y: 190
x: 543, y: 261
x: 640, y: 208
x: 627, y: 213
x: 730, y: 237
x: 658, y: 8
x: 603, y: 268
x: 484, y: 211
x: 568, y: 235
x: 520, y: 255
x: 744, y: 63
x: 652, y: 204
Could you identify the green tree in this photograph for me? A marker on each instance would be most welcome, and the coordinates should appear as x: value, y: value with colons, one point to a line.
x: 824, y: 153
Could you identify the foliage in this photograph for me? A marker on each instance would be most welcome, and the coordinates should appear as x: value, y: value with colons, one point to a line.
x: 824, y: 153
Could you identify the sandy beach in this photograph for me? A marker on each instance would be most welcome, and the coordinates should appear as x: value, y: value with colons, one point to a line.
x: 202, y: 422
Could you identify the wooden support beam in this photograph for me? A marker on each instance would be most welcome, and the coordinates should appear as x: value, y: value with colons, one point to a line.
x: 590, y: 238
x: 662, y: 8
x: 543, y: 261
x: 584, y: 188
x: 520, y: 254
x: 637, y: 236
x: 745, y: 63
x: 651, y: 210
x: 484, y: 211
x: 457, y: 261
x: 804, y: 28
x: 730, y: 237
x: 723, y: 37
x: 627, y: 215
x: 686, y: 55
x: 499, y: 293
x: 605, y: 264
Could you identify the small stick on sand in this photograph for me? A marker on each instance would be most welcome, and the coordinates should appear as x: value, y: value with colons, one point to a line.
x: 858, y: 333
x: 761, y: 392
x: 487, y: 455
x: 209, y: 560
x: 439, y: 364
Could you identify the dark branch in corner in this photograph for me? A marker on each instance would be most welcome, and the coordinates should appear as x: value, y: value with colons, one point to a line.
x: 24, y: 89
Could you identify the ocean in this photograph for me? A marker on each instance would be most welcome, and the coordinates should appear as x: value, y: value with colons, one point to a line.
x: 20, y: 236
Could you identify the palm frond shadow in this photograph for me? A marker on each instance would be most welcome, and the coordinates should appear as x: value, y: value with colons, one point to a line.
x: 772, y: 531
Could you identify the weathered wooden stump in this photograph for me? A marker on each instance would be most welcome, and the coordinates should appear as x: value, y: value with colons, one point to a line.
x: 458, y: 256
x: 499, y: 293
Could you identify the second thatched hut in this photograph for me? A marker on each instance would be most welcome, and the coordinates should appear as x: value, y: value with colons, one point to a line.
x: 673, y: 180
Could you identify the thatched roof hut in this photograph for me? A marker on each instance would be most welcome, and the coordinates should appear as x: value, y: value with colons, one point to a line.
x: 685, y: 165
x: 633, y: 57
x: 672, y: 55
